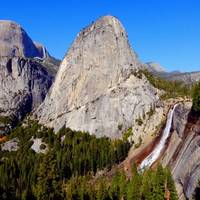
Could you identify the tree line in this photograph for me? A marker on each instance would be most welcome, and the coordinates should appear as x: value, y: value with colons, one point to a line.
x: 150, y: 185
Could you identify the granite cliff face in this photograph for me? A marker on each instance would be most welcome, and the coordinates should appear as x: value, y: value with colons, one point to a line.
x: 24, y: 79
x: 95, y: 89
x: 24, y: 84
x: 183, y: 152
x: 15, y: 42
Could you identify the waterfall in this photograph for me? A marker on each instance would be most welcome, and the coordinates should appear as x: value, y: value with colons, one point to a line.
x: 153, y: 156
x: 44, y: 52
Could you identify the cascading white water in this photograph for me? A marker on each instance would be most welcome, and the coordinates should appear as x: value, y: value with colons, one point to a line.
x: 44, y: 53
x: 153, y: 156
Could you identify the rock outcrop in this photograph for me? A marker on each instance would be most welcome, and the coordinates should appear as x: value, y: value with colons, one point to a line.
x: 37, y: 145
x: 11, y: 145
x: 95, y: 89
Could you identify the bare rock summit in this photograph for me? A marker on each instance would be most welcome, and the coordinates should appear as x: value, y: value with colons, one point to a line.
x: 96, y: 88
x: 15, y: 42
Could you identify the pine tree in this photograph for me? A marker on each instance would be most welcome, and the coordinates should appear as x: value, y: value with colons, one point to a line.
x: 134, y: 186
x: 102, y: 193
x: 114, y: 190
x: 196, y: 98
x: 147, y: 185
x: 122, y: 185
x: 171, y: 186
x: 47, y: 185
x: 158, y: 190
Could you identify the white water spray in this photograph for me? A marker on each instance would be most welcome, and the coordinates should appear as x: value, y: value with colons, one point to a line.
x: 153, y: 156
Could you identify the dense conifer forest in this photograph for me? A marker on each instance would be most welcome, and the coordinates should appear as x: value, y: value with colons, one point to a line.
x: 68, y: 169
x: 25, y: 174
x: 152, y: 184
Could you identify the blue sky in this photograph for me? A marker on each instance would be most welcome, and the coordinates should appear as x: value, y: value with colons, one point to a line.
x: 165, y: 31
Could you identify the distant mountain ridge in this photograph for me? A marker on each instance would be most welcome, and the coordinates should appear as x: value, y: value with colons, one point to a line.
x: 185, y: 77
x: 154, y: 67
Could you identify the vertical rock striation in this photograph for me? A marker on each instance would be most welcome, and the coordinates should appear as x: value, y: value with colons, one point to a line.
x: 24, y: 84
x: 24, y: 81
x: 183, y: 152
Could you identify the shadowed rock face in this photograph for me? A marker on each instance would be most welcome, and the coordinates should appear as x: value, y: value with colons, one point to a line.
x: 183, y: 152
x: 24, y: 84
x: 95, y: 89
x: 14, y: 41
x: 42, y: 50
x: 24, y: 81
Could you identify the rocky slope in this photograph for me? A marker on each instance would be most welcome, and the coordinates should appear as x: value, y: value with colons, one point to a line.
x: 24, y: 84
x: 24, y: 79
x: 95, y: 89
x: 15, y: 42
x: 183, y: 152
x: 49, y: 62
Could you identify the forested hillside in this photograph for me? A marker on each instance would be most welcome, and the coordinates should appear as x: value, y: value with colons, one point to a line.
x: 68, y: 169
x: 69, y: 154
